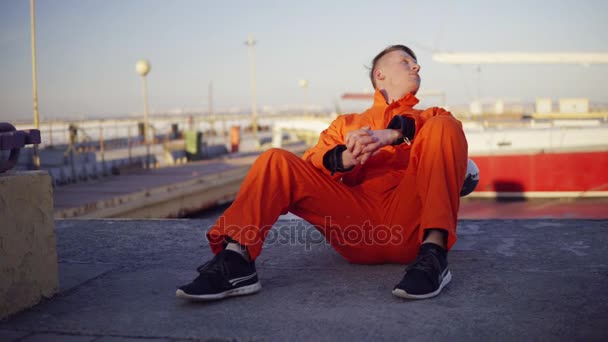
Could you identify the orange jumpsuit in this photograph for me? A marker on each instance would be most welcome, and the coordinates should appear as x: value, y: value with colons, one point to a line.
x: 375, y: 213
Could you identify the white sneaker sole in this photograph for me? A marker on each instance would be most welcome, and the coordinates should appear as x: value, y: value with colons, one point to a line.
x: 401, y: 293
x: 241, y: 291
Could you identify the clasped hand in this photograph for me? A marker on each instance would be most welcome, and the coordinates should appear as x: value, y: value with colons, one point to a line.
x: 364, y: 143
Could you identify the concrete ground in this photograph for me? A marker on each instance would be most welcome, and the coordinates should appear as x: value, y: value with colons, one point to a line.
x: 512, y: 280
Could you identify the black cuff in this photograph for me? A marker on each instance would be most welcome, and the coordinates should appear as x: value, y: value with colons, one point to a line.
x: 406, y: 125
x: 332, y: 160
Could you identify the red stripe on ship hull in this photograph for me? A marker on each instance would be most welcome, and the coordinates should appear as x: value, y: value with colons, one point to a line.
x: 570, y: 171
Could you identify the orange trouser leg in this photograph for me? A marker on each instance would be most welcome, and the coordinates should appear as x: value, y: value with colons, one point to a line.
x: 280, y: 181
x: 363, y: 227
x: 429, y: 194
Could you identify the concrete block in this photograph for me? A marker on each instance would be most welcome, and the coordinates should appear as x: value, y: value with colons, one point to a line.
x: 28, y: 256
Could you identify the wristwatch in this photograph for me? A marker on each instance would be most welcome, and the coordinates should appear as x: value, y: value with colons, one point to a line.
x: 402, y: 140
x: 406, y: 125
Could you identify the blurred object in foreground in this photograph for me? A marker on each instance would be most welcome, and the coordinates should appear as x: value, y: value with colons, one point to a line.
x: 471, y: 180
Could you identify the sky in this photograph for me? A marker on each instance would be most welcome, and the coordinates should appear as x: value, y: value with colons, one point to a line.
x: 87, y: 50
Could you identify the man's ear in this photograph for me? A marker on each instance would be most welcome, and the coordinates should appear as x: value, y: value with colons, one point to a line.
x: 378, y: 74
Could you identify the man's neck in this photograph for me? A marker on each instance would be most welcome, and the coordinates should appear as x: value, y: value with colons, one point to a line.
x: 391, y: 96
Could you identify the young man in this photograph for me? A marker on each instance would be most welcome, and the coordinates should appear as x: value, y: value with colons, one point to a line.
x: 392, y: 172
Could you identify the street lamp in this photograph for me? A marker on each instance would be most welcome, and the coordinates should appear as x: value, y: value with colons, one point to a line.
x: 34, y: 86
x: 254, y: 111
x: 304, y: 85
x: 143, y: 68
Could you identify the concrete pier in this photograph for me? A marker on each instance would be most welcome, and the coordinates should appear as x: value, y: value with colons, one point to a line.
x: 158, y: 193
x: 512, y: 280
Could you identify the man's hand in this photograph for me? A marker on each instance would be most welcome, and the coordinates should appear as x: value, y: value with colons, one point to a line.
x: 349, y: 161
x: 364, y: 143
x: 357, y: 140
x: 382, y: 137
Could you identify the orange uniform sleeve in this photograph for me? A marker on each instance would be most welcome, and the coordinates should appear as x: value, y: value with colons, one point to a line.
x: 331, y: 137
x: 434, y: 111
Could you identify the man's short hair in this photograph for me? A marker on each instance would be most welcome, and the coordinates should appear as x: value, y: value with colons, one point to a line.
x: 384, y: 52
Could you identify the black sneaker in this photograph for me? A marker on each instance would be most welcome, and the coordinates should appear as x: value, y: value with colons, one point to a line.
x: 426, y: 276
x: 227, y: 274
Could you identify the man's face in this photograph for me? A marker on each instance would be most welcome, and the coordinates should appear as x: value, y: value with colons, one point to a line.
x: 398, y: 73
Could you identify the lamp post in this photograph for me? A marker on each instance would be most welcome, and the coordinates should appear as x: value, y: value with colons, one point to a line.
x: 34, y: 84
x: 211, y: 114
x: 254, y: 111
x: 304, y: 85
x: 143, y: 68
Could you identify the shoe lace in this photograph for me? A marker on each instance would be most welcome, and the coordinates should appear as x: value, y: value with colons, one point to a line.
x: 427, y: 263
x: 217, y: 265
